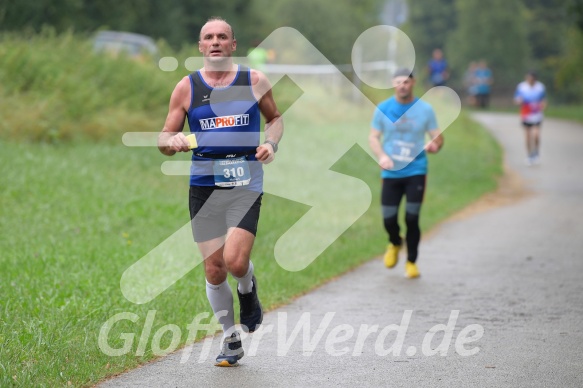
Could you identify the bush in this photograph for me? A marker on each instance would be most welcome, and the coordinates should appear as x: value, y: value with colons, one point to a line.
x: 569, y: 77
x: 55, y: 88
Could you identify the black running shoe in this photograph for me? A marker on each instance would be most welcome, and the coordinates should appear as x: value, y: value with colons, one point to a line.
x: 231, y: 352
x: 251, y: 313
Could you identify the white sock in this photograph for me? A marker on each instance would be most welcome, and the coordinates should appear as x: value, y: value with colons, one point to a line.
x: 245, y: 285
x: 221, y: 299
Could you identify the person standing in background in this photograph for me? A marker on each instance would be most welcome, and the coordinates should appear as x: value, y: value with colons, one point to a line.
x: 483, y: 81
x: 470, y: 83
x: 437, y: 69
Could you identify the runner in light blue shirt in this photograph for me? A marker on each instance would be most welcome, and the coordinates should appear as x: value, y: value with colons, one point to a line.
x: 399, y: 128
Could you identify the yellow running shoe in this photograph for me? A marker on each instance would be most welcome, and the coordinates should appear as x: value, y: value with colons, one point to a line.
x: 411, y: 270
x: 392, y: 255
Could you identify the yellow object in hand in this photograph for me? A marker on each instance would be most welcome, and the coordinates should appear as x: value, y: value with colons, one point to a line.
x: 192, y: 141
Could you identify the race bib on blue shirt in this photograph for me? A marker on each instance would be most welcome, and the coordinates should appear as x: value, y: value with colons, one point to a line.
x: 231, y: 172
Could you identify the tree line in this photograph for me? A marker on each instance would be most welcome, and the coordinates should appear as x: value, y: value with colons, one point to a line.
x: 327, y: 23
x: 512, y: 35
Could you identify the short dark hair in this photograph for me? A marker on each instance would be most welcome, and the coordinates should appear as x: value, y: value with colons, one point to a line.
x: 532, y: 73
x: 220, y: 19
x: 403, y: 72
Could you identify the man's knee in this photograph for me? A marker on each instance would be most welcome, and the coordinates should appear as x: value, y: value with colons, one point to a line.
x: 237, y: 259
x: 238, y: 251
x: 237, y: 263
x: 413, y: 208
x: 390, y: 211
x: 215, y: 272
x: 412, y: 214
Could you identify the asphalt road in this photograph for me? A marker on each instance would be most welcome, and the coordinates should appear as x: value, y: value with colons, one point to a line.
x: 503, y: 285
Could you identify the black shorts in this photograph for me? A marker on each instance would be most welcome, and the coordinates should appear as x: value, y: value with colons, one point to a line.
x: 412, y: 187
x: 215, y: 209
x: 530, y: 125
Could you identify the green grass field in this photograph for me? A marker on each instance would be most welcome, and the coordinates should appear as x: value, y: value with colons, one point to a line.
x: 77, y: 211
x: 569, y: 112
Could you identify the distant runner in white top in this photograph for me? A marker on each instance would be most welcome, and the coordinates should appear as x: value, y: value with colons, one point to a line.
x: 531, y: 96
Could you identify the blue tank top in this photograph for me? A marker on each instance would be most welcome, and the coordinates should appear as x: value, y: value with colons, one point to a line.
x: 226, y: 122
